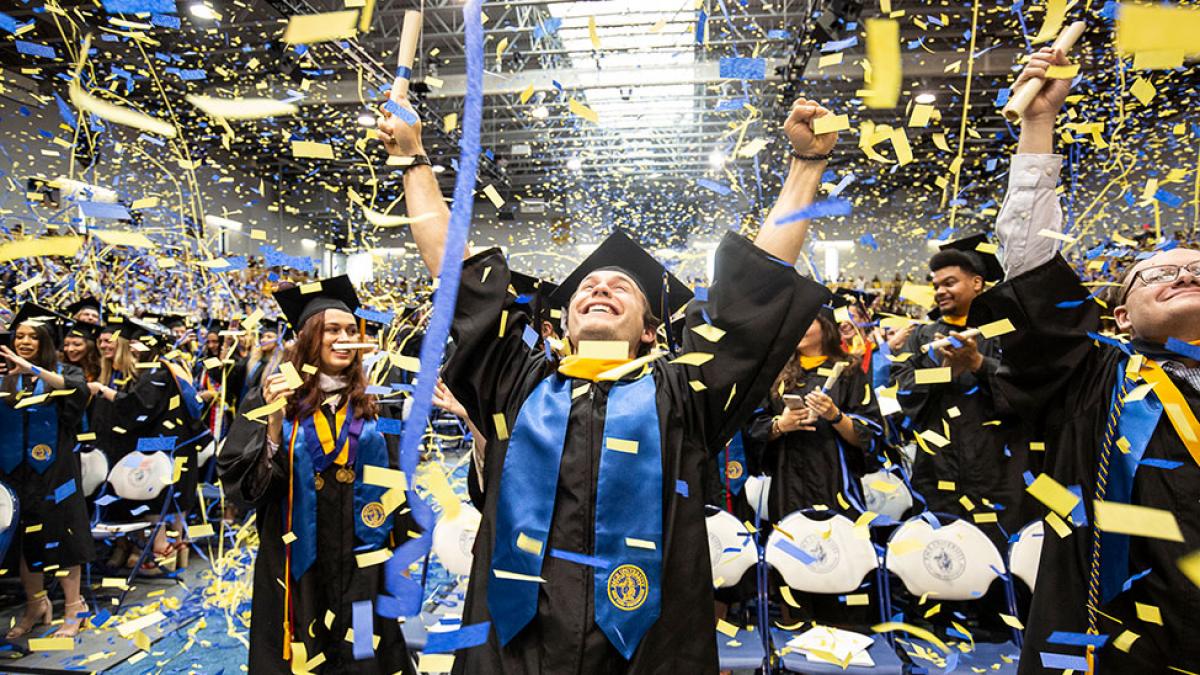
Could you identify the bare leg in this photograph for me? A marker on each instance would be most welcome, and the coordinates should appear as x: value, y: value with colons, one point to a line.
x: 38, y: 609
x: 72, y: 621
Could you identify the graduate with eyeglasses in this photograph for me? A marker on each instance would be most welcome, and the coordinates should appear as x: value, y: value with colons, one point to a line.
x: 592, y: 556
x: 1107, y: 446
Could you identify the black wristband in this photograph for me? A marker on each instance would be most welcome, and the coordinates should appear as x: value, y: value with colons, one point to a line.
x: 838, y: 418
x: 812, y: 158
x: 417, y: 160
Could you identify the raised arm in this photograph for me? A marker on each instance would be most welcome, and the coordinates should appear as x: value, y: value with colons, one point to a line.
x: 800, y: 188
x: 1031, y: 203
x: 422, y: 195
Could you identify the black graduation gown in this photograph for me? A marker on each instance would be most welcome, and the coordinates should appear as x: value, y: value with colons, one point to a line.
x: 334, y: 582
x: 1053, y: 373
x: 65, y: 537
x: 142, y: 409
x: 986, y: 455
x: 804, y: 466
x: 764, y: 307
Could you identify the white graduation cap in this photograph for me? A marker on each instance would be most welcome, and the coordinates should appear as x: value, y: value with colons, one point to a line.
x: 454, y: 539
x: 94, y: 466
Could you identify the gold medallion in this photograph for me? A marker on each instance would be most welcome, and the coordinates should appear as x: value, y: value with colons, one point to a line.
x: 345, y: 474
x: 40, y: 452
x: 320, y: 481
x: 373, y: 514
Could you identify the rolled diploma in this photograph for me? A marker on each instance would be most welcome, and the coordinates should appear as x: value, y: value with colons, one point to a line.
x: 945, y: 342
x: 1023, y: 95
x: 409, y: 37
x: 837, y: 372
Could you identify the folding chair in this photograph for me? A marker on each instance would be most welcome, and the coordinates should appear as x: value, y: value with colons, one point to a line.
x: 954, y: 561
x: 1025, y: 554
x: 454, y: 539
x: 829, y: 557
x: 732, y: 551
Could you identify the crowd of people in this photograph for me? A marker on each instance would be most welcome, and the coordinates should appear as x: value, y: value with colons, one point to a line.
x: 609, y: 411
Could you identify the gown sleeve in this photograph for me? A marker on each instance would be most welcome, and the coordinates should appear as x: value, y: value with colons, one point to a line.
x: 859, y: 404
x: 143, y: 403
x: 72, y: 406
x: 246, y: 471
x: 1049, y: 348
x: 491, y: 358
x: 764, y: 307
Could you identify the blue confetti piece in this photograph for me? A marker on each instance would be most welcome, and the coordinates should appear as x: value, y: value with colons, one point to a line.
x: 823, y: 209
x: 547, y: 28
x: 868, y: 239
x: 794, y: 551
x: 363, y: 621
x: 8, y: 23
x: 63, y: 491
x: 106, y: 500
x: 742, y: 68
x: 165, y: 21
x: 446, y: 642
x: 579, y: 558
x: 681, y: 488
x: 64, y: 111
x: 839, y: 45
x: 1167, y: 464
x: 1063, y: 661
x: 701, y: 26
x: 389, y: 425
x: 34, y: 49
x: 189, y: 74
x: 730, y: 104
x: 719, y: 188
x: 373, y: 316
x: 139, y: 510
x: 779, y: 34
x: 103, y: 210
x: 1131, y: 580
x: 1183, y: 349
x: 156, y: 444
x: 529, y: 336
x: 700, y: 293
x: 1060, y: 637
x: 1168, y: 198
x: 139, y: 6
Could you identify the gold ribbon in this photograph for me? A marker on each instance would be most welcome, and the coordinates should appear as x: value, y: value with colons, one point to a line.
x: 1175, y: 405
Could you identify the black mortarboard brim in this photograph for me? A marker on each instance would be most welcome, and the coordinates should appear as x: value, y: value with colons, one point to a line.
x: 83, y: 303
x: 299, y: 303
x: 40, y: 316
x: 173, y: 320
x: 546, y: 309
x: 135, y: 329
x: 619, y: 252
x: 535, y: 293
x: 83, y: 329
x: 981, y: 252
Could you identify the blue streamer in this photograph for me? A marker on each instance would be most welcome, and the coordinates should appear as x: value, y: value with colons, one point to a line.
x: 446, y: 296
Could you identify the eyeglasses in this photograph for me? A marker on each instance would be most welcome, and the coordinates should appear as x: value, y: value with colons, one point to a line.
x: 1161, y: 274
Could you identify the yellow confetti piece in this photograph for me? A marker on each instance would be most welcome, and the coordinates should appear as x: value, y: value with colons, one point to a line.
x: 932, y: 375
x: 290, y: 377
x: 493, y: 196
x: 200, y: 531
x: 592, y: 34
x: 858, y: 600
x: 1066, y: 72
x: 307, y: 29
x: 435, y: 663
x: 529, y: 544
x: 830, y: 124
x: 111, y: 112
x: 883, y: 52
x: 925, y: 635
x: 372, y: 558
x: 51, y: 644
x: 603, y: 350
x: 1052, y: 493
x: 1139, y: 521
x: 249, y: 108
x: 1142, y: 90
x: 622, y: 445
x: 1056, y: 10
x: 693, y: 359
x: 1148, y: 613
x: 312, y: 149
x: 501, y: 426
x: 583, y: 111
x: 1158, y: 30
x: 1012, y: 621
x: 141, y: 623
x: 640, y: 543
x: 385, y: 477
x: 264, y: 411
x: 526, y: 95
x: 1125, y: 640
x: 827, y: 60
x: 786, y: 592
x: 1058, y: 525
x: 514, y: 576
x: 997, y: 328
x: 726, y: 628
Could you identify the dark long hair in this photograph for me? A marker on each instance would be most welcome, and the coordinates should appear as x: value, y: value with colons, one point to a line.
x: 307, y: 351
x: 91, y: 359
x: 831, y: 347
x: 46, y: 357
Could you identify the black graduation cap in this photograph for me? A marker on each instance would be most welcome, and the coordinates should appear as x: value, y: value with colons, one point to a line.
x: 83, y: 303
x: 172, y: 320
x: 38, y: 315
x: 619, y: 252
x: 136, y: 329
x: 986, y: 264
x: 333, y: 293
x: 535, y: 293
x: 83, y: 329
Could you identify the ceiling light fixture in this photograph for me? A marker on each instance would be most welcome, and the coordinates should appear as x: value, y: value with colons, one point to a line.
x: 926, y: 98
x: 575, y: 164
x: 540, y: 113
x: 202, y: 11
x: 716, y: 158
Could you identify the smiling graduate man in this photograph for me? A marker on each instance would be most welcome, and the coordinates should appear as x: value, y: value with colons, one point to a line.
x: 592, y: 556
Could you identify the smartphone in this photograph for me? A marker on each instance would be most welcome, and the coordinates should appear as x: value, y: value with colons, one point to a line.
x: 793, y: 401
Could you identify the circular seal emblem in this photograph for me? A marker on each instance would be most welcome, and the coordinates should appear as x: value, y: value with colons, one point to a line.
x: 373, y: 514
x: 628, y: 587
x: 944, y: 560
x: 825, y: 553
x: 41, y: 452
x: 733, y: 470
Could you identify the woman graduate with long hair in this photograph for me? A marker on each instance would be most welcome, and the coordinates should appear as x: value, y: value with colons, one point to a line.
x: 37, y: 461
x: 313, y: 472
